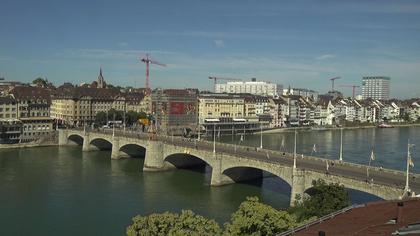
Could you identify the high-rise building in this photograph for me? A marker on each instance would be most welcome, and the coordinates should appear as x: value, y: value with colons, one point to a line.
x: 376, y: 87
x: 252, y: 87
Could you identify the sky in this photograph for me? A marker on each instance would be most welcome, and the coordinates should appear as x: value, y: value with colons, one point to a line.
x: 299, y: 43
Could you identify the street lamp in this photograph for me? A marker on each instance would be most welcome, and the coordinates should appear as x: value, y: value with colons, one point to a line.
x: 294, y: 150
x: 214, y: 138
x: 261, y: 138
x: 113, y: 126
x: 341, y: 144
x: 124, y: 119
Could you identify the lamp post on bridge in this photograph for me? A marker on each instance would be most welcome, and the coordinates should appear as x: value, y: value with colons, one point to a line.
x: 113, y: 126
x: 294, y: 151
x: 261, y: 138
x: 341, y: 144
x: 199, y: 131
x: 214, y: 138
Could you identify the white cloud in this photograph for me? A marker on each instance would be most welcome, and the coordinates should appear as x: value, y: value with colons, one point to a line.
x: 219, y: 43
x: 325, y: 56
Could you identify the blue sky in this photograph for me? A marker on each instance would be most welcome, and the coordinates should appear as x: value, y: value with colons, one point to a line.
x: 297, y: 43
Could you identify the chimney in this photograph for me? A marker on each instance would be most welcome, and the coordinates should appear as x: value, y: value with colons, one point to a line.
x: 254, y: 79
x: 400, y: 218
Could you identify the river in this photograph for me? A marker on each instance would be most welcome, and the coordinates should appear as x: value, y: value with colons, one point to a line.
x: 64, y: 191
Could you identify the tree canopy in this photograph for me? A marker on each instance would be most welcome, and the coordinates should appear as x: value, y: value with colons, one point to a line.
x: 173, y: 224
x: 251, y: 218
x: 256, y: 218
x: 324, y: 199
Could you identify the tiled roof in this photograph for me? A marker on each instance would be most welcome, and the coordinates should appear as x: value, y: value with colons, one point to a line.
x: 378, y: 218
x: 29, y: 93
x: 79, y: 92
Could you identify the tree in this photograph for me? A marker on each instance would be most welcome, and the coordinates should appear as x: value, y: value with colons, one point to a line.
x: 186, y: 223
x: 256, y: 218
x: 324, y: 199
x: 101, y: 118
x: 133, y: 117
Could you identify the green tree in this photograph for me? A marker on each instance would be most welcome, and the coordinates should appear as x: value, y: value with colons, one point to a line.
x: 101, y: 118
x: 40, y: 82
x: 256, y: 218
x: 132, y: 116
x: 324, y: 199
x: 186, y: 223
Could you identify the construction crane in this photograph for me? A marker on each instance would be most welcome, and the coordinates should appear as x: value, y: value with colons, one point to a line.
x: 215, y: 79
x: 353, y: 87
x: 148, y: 60
x: 332, y: 82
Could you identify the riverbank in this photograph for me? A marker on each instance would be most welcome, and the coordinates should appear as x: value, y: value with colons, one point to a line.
x: 291, y: 129
x: 28, y: 145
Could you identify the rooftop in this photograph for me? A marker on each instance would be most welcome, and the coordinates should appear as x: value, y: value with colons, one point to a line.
x: 377, y: 218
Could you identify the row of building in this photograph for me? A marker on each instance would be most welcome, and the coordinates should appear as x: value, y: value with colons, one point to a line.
x: 177, y: 111
x: 30, y: 112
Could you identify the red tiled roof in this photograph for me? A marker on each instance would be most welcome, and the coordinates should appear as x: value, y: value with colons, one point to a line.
x: 29, y: 93
x: 378, y: 218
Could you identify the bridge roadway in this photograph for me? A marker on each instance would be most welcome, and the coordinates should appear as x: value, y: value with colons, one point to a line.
x: 380, y: 176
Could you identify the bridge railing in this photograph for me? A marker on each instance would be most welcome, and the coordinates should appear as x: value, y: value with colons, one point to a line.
x: 143, y: 135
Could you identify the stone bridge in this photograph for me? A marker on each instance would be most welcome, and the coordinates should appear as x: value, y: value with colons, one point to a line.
x: 230, y: 163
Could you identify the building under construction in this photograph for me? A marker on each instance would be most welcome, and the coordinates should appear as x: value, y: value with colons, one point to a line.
x: 175, y: 111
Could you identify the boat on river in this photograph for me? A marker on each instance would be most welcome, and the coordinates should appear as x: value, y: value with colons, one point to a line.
x: 385, y: 125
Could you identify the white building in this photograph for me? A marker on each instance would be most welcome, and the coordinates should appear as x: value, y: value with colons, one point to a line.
x: 253, y: 87
x: 376, y: 87
x: 307, y: 93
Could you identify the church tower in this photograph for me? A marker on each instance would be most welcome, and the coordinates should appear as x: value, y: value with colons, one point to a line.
x: 101, y: 81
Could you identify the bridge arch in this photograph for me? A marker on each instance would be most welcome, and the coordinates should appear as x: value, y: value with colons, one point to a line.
x: 75, y: 138
x: 246, y: 173
x: 133, y: 150
x: 186, y: 160
x: 351, y: 185
x: 101, y: 143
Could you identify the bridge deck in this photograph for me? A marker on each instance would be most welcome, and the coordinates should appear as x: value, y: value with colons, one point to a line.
x: 381, y: 176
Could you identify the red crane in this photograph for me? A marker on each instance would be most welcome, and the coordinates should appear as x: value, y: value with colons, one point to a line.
x: 215, y: 79
x: 148, y: 60
x: 353, y: 87
x: 332, y: 81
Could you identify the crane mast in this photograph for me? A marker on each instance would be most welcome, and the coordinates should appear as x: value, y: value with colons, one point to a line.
x: 148, y: 60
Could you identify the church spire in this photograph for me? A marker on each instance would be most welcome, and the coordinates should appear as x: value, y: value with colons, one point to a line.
x: 101, y: 81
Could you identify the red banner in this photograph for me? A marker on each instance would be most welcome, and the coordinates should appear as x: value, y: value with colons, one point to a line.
x: 177, y: 108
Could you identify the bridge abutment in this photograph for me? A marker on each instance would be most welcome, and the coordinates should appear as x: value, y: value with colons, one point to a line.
x: 62, y: 138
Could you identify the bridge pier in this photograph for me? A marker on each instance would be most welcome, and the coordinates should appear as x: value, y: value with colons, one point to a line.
x: 298, y: 186
x: 87, y: 147
x: 217, y: 177
x: 154, y: 159
x: 115, y: 152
